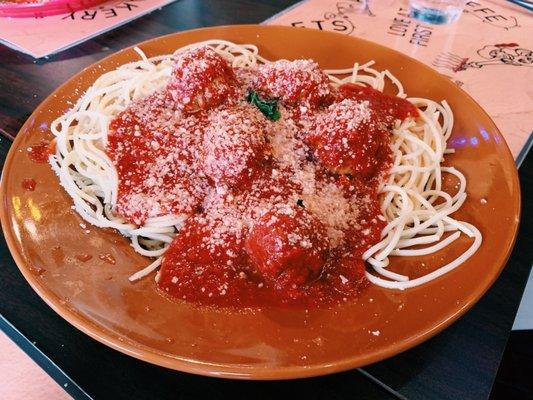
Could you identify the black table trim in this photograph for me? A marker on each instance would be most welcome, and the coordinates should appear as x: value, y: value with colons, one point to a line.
x: 525, y: 151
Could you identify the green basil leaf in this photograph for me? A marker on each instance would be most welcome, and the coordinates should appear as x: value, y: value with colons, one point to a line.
x: 269, y: 108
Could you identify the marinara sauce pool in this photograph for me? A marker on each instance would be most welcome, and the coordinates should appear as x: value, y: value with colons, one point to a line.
x: 276, y: 171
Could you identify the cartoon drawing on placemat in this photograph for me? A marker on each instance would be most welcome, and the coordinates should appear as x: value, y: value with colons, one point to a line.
x: 497, y: 54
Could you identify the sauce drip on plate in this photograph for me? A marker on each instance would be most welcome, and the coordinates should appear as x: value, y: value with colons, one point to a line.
x: 39, y: 153
x: 29, y: 184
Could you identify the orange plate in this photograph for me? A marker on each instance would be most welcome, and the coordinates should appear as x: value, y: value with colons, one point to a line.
x: 44, y: 236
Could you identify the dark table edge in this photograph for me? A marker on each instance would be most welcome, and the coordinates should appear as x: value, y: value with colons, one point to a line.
x: 6, y: 135
x: 512, y: 381
x: 49, y: 366
x: 381, y: 384
x: 525, y: 150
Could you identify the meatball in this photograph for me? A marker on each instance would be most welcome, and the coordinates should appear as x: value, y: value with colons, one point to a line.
x: 201, y: 80
x: 348, y: 139
x: 288, y: 245
x: 295, y: 83
x: 234, y: 145
x: 154, y: 162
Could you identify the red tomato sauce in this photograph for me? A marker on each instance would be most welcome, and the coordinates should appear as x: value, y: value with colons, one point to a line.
x: 278, y: 212
x: 39, y: 153
x: 29, y: 184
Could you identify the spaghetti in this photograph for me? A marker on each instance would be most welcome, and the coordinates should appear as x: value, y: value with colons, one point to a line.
x: 416, y: 209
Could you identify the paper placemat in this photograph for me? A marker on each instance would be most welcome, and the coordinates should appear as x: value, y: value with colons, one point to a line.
x: 488, y: 52
x: 41, y: 37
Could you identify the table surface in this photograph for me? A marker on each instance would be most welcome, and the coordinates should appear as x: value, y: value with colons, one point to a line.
x: 461, y: 362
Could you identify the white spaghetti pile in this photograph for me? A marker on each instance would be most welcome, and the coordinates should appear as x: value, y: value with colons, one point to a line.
x: 413, y: 202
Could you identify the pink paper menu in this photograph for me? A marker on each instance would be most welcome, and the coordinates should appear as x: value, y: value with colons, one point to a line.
x: 22, y: 378
x: 40, y: 37
x: 488, y: 51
